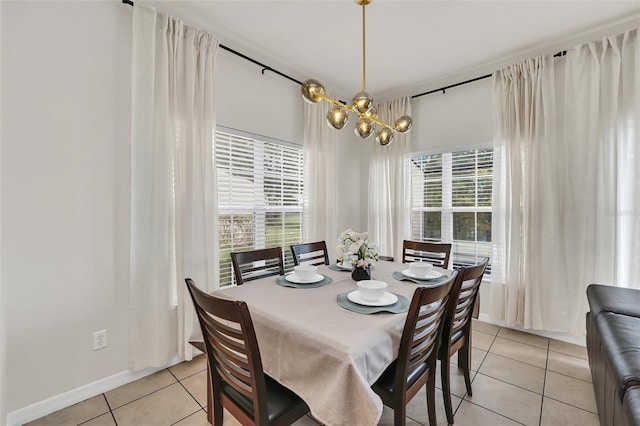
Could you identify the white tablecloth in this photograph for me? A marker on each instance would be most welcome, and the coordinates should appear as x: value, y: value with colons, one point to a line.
x: 327, y: 355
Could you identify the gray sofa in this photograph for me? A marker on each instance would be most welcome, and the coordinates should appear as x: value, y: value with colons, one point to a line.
x: 613, y: 346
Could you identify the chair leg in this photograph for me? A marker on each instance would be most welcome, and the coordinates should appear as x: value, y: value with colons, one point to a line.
x: 218, y: 410
x: 445, y: 374
x: 464, y: 362
x: 431, y: 398
x: 400, y: 414
x: 209, y: 397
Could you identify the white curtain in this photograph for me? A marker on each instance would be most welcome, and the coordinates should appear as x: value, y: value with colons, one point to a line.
x: 566, y: 189
x: 173, y: 188
x: 320, y: 171
x: 389, y: 212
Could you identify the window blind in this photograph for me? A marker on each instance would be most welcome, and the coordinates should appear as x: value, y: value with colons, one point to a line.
x: 451, y: 202
x: 260, y: 197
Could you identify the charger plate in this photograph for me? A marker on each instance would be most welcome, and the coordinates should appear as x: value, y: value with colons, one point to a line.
x: 402, y: 305
x: 281, y: 280
x: 432, y: 282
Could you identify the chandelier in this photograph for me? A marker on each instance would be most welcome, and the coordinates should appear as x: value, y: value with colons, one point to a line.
x: 361, y: 104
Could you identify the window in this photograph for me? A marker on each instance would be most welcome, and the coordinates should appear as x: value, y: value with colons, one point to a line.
x: 259, y: 196
x: 451, y: 202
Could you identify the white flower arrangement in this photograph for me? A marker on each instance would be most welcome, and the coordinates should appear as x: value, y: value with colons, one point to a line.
x: 356, y: 248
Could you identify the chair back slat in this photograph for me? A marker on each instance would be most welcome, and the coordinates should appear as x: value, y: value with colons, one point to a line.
x: 437, y: 254
x: 463, y: 298
x: 426, y: 332
x: 310, y: 253
x: 232, y: 347
x: 422, y: 329
x: 256, y: 264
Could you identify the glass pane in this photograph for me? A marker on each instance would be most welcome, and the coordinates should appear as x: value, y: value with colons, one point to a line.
x: 484, y: 191
x: 432, y: 226
x: 484, y: 226
x: 463, y: 193
x: 463, y: 163
x: 464, y: 226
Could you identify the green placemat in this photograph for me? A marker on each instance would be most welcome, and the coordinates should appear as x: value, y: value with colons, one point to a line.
x: 402, y: 305
x: 334, y: 267
x: 284, y: 283
x: 401, y: 277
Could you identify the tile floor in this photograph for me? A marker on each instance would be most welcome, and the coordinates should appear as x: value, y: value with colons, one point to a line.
x: 518, y: 379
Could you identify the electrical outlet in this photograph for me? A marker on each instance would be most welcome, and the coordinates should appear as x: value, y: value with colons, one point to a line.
x: 99, y: 340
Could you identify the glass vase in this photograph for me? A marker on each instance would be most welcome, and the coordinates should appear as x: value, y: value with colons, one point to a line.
x: 361, y: 274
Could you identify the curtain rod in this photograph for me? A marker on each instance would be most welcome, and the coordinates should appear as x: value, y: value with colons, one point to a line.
x: 444, y: 89
x: 243, y: 56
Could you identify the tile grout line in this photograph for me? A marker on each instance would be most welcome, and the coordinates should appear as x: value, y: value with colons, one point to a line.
x: 113, y: 416
x: 187, y: 390
x: 544, y: 384
x: 494, y: 412
x: 99, y: 415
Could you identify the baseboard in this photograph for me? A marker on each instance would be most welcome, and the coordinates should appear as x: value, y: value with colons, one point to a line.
x: 565, y: 337
x: 58, y: 402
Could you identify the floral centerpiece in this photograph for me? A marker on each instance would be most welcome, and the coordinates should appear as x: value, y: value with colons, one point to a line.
x: 357, y: 249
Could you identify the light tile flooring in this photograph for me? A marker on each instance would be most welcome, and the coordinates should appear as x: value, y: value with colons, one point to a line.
x: 518, y: 379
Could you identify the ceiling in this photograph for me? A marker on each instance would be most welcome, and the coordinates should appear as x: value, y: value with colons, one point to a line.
x: 411, y: 45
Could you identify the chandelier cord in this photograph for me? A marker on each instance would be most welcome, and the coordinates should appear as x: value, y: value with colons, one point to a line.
x: 364, y: 49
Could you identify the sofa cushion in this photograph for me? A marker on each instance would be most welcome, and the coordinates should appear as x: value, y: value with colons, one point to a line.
x: 631, y: 406
x: 606, y: 298
x: 621, y: 344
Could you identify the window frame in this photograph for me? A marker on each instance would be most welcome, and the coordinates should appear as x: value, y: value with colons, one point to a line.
x: 260, y: 209
x: 446, y: 209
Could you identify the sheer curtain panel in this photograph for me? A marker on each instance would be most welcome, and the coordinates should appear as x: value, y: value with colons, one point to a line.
x: 320, y: 171
x: 566, y: 188
x: 389, y: 212
x: 173, y: 188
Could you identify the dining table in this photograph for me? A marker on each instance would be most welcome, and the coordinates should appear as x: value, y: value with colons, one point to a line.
x: 327, y: 354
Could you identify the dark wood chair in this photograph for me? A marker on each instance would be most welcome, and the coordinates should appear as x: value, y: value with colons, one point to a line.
x: 256, y: 264
x: 456, y: 332
x: 238, y: 381
x: 417, y: 356
x: 315, y: 253
x: 437, y: 254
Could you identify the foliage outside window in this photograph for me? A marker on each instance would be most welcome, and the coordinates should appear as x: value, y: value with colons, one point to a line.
x: 451, y: 202
x: 260, y: 184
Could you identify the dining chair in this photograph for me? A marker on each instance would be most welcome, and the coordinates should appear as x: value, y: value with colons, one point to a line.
x: 435, y: 253
x: 239, y: 384
x: 456, y: 331
x: 314, y: 253
x: 256, y: 264
x: 418, y: 352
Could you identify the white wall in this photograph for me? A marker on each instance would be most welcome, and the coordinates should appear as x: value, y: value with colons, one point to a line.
x: 65, y: 75
x: 3, y: 309
x: 65, y: 193
x: 461, y: 117
x: 267, y: 105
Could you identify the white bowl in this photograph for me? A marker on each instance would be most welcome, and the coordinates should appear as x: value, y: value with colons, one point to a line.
x: 372, y: 290
x: 420, y: 269
x: 346, y: 263
x: 305, y: 272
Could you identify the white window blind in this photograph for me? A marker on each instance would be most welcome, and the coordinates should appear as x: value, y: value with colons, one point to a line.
x: 260, y: 185
x: 451, y: 202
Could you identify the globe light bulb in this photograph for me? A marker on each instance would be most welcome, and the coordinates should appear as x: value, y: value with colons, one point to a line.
x: 337, y: 117
x: 312, y: 91
x: 362, y: 102
x: 403, y: 124
x: 384, y: 136
x: 364, y: 128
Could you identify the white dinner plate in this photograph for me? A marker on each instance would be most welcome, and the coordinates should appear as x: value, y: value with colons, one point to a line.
x: 346, y: 268
x: 386, y: 300
x: 431, y: 275
x: 293, y: 278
